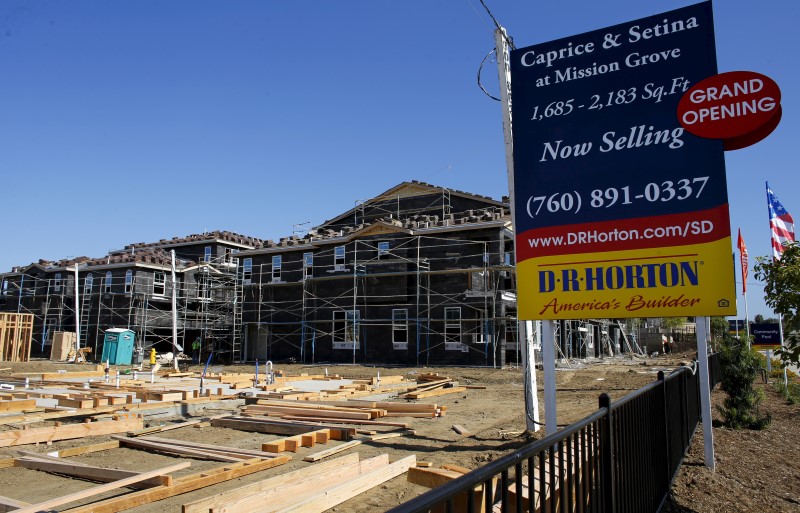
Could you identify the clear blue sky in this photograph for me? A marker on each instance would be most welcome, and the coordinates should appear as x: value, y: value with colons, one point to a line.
x: 132, y: 121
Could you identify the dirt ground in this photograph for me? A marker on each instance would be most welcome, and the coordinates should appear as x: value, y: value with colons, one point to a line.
x: 756, y: 471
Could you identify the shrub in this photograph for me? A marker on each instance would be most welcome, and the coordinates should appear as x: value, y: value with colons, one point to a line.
x: 740, y: 366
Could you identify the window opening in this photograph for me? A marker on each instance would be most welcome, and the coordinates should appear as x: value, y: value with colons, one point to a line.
x: 338, y: 258
x: 277, y: 264
x: 452, y: 328
x: 400, y: 329
x: 247, y: 271
x: 159, y: 284
x: 308, y: 265
x: 346, y: 325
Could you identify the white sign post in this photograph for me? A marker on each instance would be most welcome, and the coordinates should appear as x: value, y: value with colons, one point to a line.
x: 705, y: 390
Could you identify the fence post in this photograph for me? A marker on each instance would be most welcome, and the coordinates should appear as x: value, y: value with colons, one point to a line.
x: 607, y: 457
x: 665, y: 423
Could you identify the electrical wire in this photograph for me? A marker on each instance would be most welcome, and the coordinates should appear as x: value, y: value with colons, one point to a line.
x: 480, y: 70
x: 497, y: 25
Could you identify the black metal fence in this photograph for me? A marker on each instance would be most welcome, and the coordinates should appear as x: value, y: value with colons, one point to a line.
x: 622, y: 458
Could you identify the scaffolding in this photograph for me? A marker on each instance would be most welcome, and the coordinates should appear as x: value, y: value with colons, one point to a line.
x: 206, y: 306
x: 400, y: 280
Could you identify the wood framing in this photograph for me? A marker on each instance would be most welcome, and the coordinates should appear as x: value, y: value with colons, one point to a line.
x: 16, y: 333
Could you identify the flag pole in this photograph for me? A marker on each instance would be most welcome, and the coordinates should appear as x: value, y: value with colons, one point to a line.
x: 744, y: 260
x: 746, y: 320
x: 780, y: 328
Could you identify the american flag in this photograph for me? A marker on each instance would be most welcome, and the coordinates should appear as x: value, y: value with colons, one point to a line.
x: 781, y: 224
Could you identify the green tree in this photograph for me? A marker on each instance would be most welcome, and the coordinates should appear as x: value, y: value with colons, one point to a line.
x: 740, y: 366
x: 782, y: 293
x: 719, y: 328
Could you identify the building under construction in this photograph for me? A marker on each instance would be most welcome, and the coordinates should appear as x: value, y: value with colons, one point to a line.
x: 417, y: 275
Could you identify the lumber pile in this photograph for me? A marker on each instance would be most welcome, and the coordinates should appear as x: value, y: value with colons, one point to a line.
x: 351, y: 412
x: 120, y: 424
x: 431, y: 385
x: 547, y: 493
x: 11, y: 404
x: 180, y: 485
x: 433, y: 477
x: 277, y: 426
x: 292, y: 443
x: 44, y: 463
x: 192, y: 449
x: 311, y: 489
x: 137, y: 478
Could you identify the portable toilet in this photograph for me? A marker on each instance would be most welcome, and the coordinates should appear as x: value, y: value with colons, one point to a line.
x: 118, y: 346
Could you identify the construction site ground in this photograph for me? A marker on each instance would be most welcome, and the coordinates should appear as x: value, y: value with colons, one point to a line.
x: 756, y: 471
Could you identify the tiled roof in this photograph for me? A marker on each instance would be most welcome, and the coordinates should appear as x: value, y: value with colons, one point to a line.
x: 223, y: 235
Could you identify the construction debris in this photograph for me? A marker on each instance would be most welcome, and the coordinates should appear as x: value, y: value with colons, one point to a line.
x: 337, y: 418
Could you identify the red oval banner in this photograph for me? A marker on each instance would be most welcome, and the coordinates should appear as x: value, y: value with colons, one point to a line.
x: 740, y: 107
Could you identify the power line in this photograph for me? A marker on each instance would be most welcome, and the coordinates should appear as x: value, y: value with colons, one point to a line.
x: 480, y: 70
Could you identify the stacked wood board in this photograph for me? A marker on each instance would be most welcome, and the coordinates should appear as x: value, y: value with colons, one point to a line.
x: 64, y: 343
x: 433, y: 477
x: 150, y: 486
x: 354, y: 412
x: 431, y: 385
x: 311, y: 489
x: 68, y: 431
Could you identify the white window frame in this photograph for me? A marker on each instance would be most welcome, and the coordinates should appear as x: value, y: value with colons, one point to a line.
x: 107, y: 282
x: 383, y: 249
x: 480, y: 336
x: 57, y: 282
x: 400, y: 327
x: 308, y: 265
x: 339, y: 260
x: 128, y: 281
x: 88, y: 283
x: 452, y: 329
x: 247, y: 271
x: 346, y: 329
x: 277, y: 266
x: 162, y: 283
x: 5, y: 287
x: 207, y: 254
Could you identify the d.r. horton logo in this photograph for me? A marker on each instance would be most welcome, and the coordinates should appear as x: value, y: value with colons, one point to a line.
x: 616, y: 277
